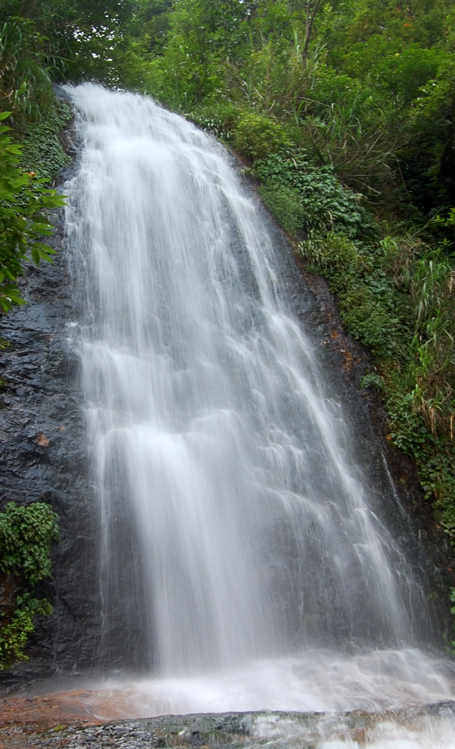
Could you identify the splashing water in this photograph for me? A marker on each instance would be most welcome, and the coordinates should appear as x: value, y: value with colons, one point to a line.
x: 236, y: 528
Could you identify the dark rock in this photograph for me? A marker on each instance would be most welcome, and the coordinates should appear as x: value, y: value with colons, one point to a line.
x: 43, y: 457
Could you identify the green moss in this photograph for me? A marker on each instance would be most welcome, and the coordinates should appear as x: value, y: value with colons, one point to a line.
x: 286, y: 206
x: 41, y: 148
x: 364, y: 293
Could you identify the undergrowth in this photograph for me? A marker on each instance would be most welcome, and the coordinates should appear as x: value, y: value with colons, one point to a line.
x: 26, y: 534
x: 315, y: 197
x: 395, y: 296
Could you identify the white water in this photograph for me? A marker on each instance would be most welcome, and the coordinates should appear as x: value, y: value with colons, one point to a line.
x: 338, y: 732
x: 311, y: 681
x: 236, y: 528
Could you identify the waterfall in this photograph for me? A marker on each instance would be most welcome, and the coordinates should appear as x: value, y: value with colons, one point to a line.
x: 236, y: 525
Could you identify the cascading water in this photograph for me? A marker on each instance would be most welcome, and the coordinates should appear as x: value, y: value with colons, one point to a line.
x: 235, y: 529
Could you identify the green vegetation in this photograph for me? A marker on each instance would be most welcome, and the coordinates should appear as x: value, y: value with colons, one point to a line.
x: 395, y: 295
x: 322, y: 200
x: 23, y: 223
x: 26, y: 534
x: 41, y: 148
x: 27, y: 103
x: 30, y: 156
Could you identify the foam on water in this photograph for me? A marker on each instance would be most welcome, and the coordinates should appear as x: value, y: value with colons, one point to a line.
x: 384, y: 732
x: 315, y: 681
x: 315, y: 692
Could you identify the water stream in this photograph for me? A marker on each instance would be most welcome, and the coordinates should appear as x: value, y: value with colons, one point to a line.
x: 244, y: 563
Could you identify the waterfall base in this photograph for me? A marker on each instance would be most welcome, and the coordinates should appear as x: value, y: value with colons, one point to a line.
x: 318, y: 699
x: 312, y: 680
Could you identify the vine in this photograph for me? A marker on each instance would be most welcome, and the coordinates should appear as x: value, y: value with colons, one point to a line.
x: 26, y: 535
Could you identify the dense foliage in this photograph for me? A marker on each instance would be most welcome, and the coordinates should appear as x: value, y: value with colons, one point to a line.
x: 26, y: 534
x: 345, y: 112
x: 23, y: 223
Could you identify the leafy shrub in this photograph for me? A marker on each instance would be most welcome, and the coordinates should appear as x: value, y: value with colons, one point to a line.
x: 256, y: 136
x: 326, y: 204
x: 372, y: 380
x: 433, y: 453
x: 25, y: 537
x: 23, y: 223
x: 26, y: 534
x: 218, y: 120
x: 366, y: 317
x: 14, y: 635
x: 333, y: 255
x: 364, y: 293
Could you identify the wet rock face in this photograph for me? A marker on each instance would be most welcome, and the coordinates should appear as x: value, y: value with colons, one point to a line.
x: 43, y: 457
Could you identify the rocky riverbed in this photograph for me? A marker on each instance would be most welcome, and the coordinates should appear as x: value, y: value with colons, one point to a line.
x: 58, y: 722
